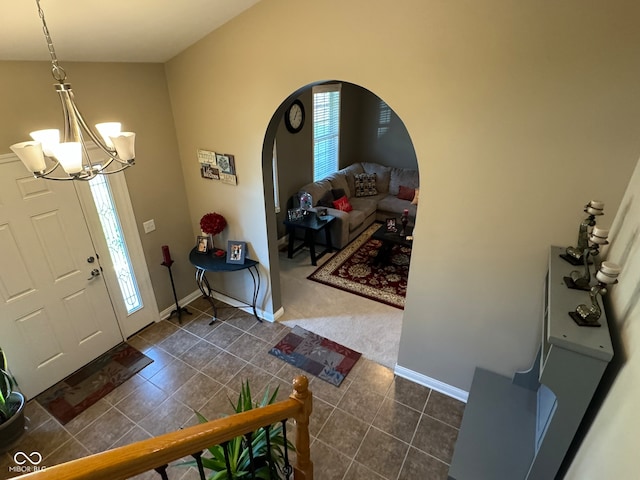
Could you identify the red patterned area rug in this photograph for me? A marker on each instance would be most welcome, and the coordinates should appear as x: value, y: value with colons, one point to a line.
x: 73, y: 395
x: 316, y: 355
x: 353, y: 269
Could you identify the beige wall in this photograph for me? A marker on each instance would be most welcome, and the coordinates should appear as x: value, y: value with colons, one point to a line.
x: 137, y: 95
x: 519, y: 112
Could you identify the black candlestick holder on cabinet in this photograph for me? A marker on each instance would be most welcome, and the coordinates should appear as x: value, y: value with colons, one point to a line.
x: 178, y: 310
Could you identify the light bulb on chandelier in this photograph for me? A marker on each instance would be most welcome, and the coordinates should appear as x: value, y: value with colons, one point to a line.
x: 46, y: 152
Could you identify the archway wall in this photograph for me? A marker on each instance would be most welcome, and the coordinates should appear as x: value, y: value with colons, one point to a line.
x: 519, y: 113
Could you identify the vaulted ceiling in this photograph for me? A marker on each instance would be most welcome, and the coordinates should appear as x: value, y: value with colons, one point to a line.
x: 111, y: 30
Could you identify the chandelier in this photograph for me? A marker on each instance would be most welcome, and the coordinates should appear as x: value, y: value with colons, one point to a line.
x: 50, y: 157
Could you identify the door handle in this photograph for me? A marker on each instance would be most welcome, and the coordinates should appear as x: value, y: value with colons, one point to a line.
x: 94, y: 273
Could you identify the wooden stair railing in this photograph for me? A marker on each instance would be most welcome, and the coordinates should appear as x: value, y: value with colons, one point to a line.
x: 125, y: 462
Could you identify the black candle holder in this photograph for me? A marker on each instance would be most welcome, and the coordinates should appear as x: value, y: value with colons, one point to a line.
x: 178, y: 310
x: 587, y: 315
x: 574, y: 255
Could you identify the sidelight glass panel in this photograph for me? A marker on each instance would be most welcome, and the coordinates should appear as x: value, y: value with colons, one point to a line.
x: 114, y: 236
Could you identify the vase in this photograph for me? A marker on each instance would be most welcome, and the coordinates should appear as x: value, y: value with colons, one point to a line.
x: 404, y: 219
x: 12, y: 429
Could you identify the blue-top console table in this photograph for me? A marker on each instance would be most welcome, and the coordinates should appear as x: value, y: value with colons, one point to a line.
x: 212, y: 263
x: 521, y: 428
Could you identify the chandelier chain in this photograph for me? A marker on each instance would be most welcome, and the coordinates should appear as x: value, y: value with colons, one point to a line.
x: 56, y: 70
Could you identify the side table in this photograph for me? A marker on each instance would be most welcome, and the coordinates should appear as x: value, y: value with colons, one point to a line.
x: 311, y: 224
x: 211, y: 263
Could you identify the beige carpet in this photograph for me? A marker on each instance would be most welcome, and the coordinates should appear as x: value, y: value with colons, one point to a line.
x: 364, y: 325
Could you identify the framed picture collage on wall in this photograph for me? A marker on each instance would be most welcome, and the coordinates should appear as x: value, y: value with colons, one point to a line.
x: 217, y: 166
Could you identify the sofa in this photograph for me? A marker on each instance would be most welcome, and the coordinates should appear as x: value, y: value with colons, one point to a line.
x: 373, y: 192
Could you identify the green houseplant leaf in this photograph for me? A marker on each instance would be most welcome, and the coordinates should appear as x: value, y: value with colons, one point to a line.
x: 238, y: 448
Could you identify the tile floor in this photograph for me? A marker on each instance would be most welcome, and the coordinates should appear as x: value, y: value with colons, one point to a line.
x: 374, y: 426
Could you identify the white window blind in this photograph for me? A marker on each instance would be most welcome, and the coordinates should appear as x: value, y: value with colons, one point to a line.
x: 384, y: 118
x: 326, y: 130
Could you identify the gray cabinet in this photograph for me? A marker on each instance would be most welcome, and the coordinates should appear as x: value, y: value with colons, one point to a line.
x: 521, y: 427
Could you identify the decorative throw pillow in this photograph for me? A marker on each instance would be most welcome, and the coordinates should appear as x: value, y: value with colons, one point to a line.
x: 406, y: 193
x: 337, y: 193
x: 326, y: 200
x: 365, y: 184
x: 415, y: 197
x: 342, y: 204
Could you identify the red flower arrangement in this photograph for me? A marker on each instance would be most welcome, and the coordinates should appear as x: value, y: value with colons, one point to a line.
x: 212, y: 223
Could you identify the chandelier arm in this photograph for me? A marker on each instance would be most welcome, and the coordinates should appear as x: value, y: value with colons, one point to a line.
x: 64, y: 179
x: 80, y: 121
x: 84, y: 175
x: 47, y: 172
x: 112, y: 153
x: 118, y: 170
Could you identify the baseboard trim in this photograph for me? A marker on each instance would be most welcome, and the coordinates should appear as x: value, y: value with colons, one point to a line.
x: 269, y: 317
x: 278, y: 313
x: 432, y: 383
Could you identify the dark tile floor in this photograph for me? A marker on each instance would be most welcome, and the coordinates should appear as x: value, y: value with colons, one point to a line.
x: 374, y: 426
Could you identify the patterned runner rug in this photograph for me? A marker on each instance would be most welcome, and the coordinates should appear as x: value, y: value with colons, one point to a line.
x: 317, y: 355
x: 71, y: 396
x: 353, y: 269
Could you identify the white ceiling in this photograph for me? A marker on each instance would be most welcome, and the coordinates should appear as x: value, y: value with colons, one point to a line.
x: 110, y: 30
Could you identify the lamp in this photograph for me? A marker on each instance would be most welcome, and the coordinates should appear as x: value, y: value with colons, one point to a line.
x: 597, y: 237
x: 588, y: 315
x: 46, y: 152
x: 574, y: 255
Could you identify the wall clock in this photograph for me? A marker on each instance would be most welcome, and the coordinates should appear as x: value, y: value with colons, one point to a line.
x: 294, y: 117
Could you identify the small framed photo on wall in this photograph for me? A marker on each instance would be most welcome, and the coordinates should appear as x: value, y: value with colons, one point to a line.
x: 236, y: 251
x: 226, y: 163
x: 209, y: 172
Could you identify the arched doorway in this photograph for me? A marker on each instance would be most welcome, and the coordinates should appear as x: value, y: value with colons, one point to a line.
x: 371, y: 132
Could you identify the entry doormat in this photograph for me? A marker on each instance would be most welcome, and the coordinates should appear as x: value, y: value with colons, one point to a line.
x: 71, y: 396
x: 316, y: 355
x: 354, y: 269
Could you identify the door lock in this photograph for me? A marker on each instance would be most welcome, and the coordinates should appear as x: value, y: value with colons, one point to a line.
x: 94, y: 273
x: 91, y: 260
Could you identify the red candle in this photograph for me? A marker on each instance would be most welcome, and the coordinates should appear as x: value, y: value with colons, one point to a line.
x: 166, y: 255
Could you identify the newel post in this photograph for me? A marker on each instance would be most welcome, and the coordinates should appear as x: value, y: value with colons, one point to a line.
x: 302, y: 394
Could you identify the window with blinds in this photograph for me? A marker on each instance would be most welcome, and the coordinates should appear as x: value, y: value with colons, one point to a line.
x: 326, y: 130
x: 384, y: 118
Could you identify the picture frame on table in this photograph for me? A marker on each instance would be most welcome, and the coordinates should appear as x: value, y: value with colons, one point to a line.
x: 392, y: 225
x: 203, y: 244
x: 236, y: 251
x: 295, y: 214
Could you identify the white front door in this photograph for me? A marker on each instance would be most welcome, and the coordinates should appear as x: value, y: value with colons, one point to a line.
x: 55, y: 316
x: 112, y: 225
